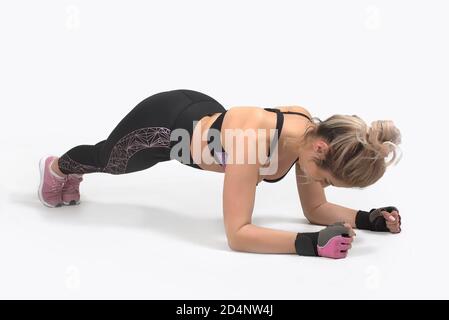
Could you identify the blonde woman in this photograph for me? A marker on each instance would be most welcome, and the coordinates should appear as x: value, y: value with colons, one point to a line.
x: 249, y: 145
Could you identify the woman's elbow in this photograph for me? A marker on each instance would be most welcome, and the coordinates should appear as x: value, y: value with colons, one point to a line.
x: 310, y: 218
x: 235, y: 243
x: 238, y: 238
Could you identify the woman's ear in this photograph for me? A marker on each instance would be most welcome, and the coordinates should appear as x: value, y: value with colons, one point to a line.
x: 320, y: 147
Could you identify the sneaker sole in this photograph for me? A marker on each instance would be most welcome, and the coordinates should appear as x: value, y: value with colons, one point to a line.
x: 41, y: 184
x: 72, y: 203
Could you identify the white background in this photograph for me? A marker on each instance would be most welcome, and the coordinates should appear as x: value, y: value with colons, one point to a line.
x: 70, y: 71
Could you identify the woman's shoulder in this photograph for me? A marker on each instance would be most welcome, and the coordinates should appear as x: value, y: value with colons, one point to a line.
x: 245, y: 116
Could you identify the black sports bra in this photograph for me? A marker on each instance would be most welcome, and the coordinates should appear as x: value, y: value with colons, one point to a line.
x: 217, y: 124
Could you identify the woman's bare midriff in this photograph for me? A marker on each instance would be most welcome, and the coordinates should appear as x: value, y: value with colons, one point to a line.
x: 207, y: 163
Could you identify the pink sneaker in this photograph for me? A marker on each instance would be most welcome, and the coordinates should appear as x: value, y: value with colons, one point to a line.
x: 50, y: 187
x: 71, y: 190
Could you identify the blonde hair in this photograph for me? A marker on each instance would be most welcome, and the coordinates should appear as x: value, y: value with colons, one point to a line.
x: 356, y: 153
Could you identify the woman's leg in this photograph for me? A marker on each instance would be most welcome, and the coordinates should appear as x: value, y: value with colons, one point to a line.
x: 139, y: 141
x: 142, y: 138
x: 137, y: 150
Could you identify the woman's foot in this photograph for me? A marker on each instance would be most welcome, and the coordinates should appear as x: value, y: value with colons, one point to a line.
x: 51, y: 184
x: 71, y: 191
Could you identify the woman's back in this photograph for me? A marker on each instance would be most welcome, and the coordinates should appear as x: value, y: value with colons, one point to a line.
x: 256, y: 122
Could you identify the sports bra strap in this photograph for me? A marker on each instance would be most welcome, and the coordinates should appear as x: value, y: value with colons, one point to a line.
x: 279, y: 125
x: 288, y: 112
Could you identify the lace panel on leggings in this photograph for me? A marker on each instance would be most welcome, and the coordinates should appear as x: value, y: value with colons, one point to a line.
x: 122, y: 151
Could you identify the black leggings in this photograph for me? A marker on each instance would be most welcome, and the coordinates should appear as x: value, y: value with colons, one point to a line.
x: 142, y: 138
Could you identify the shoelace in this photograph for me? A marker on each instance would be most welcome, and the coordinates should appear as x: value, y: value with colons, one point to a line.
x: 55, y: 188
x: 56, y: 184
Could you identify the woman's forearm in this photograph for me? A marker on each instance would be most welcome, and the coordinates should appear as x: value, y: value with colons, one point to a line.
x: 252, y: 238
x: 329, y: 213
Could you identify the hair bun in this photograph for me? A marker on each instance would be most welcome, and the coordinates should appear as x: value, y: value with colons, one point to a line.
x: 384, y: 138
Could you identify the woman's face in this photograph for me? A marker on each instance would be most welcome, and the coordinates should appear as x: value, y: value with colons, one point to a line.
x: 317, y: 148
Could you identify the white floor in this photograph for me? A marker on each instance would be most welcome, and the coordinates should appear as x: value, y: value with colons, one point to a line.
x: 158, y: 233
x: 147, y: 235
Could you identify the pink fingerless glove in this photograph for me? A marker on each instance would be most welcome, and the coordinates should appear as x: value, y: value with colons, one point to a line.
x: 331, y: 242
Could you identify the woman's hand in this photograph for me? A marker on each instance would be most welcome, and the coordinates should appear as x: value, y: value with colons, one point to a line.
x: 386, y: 219
x: 334, y: 241
x: 392, y: 220
x: 351, y: 231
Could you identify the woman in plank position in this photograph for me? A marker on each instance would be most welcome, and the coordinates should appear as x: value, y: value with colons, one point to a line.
x: 248, y: 145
